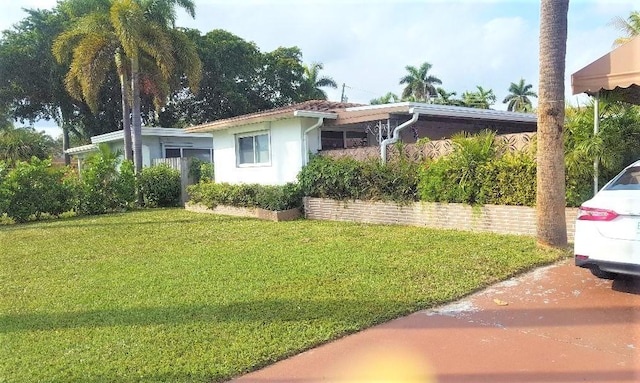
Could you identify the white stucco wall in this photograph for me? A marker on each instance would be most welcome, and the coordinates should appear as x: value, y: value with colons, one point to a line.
x: 285, y: 150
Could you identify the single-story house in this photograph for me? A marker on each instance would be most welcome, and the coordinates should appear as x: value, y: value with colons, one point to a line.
x: 271, y: 147
x: 156, y: 143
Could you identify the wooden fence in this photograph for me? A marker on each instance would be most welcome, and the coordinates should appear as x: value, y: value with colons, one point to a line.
x: 183, y: 165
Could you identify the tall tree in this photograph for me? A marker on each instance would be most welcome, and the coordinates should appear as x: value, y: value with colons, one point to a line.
x: 480, y: 99
x: 313, y: 82
x: 388, y: 98
x: 137, y: 34
x: 20, y: 144
x: 281, y: 77
x: 446, y: 98
x: 32, y: 82
x: 95, y: 47
x: 550, y: 197
x: 518, y: 97
x: 630, y: 27
x: 419, y: 83
x: 228, y: 87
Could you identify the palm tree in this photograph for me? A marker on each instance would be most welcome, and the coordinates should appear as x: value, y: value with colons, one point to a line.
x: 134, y: 34
x: 630, y: 27
x: 388, y: 98
x: 94, y: 44
x: 313, y: 81
x: 419, y: 83
x: 481, y: 99
x: 550, y: 194
x: 518, y: 97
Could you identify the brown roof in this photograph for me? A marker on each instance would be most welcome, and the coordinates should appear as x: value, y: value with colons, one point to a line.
x: 618, y: 71
x: 273, y: 114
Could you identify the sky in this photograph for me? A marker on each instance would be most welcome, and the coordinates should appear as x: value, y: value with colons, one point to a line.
x: 366, y: 44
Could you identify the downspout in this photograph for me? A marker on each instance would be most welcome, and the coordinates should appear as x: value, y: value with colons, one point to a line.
x: 596, y: 127
x: 305, y: 143
x: 396, y: 136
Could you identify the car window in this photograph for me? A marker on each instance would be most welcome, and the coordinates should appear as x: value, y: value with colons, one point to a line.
x: 629, y: 179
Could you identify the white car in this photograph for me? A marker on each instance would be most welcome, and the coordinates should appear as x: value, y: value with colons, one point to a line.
x: 607, y: 236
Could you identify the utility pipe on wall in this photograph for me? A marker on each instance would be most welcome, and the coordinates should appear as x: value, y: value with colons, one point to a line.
x: 305, y: 146
x: 396, y: 136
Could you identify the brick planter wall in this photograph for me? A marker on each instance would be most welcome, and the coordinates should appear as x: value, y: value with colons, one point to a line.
x: 252, y: 212
x: 490, y: 218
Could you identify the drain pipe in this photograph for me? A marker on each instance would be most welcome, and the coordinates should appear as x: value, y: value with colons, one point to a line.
x: 305, y: 142
x: 396, y: 136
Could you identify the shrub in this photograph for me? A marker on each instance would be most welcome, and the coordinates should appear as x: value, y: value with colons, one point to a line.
x: 346, y: 178
x: 508, y: 180
x: 326, y: 177
x: 454, y: 178
x: 34, y: 188
x: 200, y: 170
x: 395, y: 181
x: 4, y: 193
x: 160, y: 186
x: 267, y: 197
x: 126, y: 185
x: 206, y: 172
x: 102, y: 188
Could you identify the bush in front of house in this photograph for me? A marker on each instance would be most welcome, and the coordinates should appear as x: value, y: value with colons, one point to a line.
x: 508, y: 180
x: 455, y: 177
x: 268, y: 197
x: 347, y: 178
x: 31, y: 189
x: 160, y: 186
x: 200, y: 170
x: 102, y: 187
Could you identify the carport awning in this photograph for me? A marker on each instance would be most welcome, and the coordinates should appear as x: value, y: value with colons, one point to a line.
x: 616, y: 74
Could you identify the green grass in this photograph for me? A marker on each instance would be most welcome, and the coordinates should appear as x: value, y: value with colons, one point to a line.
x: 175, y: 296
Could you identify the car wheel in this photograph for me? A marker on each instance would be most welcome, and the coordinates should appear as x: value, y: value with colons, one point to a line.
x: 595, y: 270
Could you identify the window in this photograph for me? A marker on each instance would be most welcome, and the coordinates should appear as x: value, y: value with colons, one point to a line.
x: 342, y: 139
x: 172, y: 153
x: 628, y: 180
x: 253, y: 148
x: 201, y: 154
x: 176, y: 152
x: 332, y: 140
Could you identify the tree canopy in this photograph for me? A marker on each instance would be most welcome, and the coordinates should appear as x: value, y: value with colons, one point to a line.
x: 419, y: 83
x: 629, y: 26
x: 518, y: 98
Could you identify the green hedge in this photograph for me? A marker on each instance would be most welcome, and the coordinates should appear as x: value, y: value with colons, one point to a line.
x: 508, y: 180
x: 346, y: 178
x: 160, y: 185
x: 275, y: 198
x: 32, y: 189
x: 102, y: 187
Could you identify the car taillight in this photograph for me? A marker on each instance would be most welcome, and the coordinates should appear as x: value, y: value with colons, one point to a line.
x: 595, y: 214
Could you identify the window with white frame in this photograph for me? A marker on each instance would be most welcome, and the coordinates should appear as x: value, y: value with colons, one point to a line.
x: 253, y: 148
x: 203, y: 154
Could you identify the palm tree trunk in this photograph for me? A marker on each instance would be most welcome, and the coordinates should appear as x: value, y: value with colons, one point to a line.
x: 65, y: 143
x: 550, y: 199
x: 136, y: 123
x: 65, y: 115
x: 126, y: 108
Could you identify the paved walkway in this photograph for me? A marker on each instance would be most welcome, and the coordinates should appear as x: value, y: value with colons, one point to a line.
x: 554, y: 324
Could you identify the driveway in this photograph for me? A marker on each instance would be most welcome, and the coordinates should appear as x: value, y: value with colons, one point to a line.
x: 553, y: 324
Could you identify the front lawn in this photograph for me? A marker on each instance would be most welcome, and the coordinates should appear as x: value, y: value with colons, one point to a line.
x: 175, y: 296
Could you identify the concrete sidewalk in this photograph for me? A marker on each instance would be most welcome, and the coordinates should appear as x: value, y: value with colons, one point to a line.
x: 554, y: 324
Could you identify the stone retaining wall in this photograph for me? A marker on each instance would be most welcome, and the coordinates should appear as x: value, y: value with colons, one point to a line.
x: 489, y: 218
x: 252, y: 212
